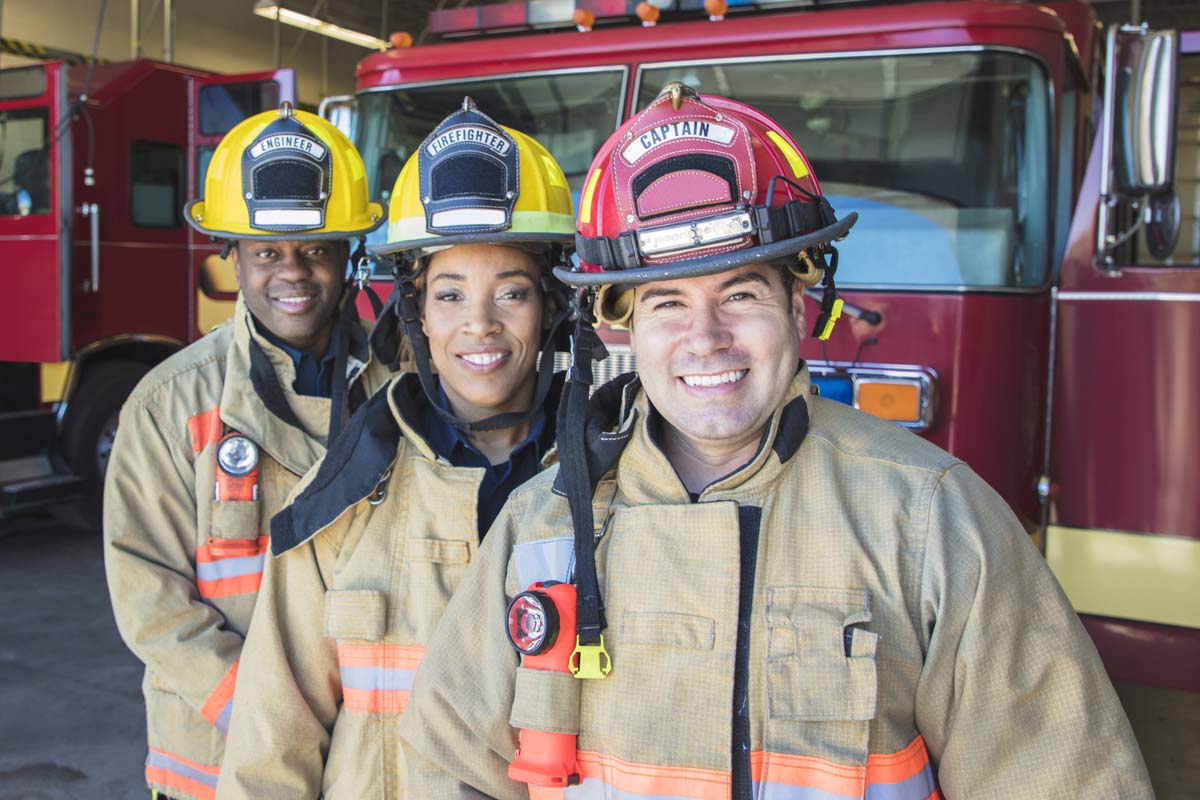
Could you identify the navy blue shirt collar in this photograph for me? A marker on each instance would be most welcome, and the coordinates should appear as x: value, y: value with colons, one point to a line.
x: 499, y: 479
x: 314, y: 376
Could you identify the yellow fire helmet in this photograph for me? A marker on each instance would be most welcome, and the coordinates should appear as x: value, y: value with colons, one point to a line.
x: 285, y: 174
x: 473, y: 180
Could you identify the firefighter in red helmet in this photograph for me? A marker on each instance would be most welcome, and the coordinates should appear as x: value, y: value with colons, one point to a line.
x: 775, y: 594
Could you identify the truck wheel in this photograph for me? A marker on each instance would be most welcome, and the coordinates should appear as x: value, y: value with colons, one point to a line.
x: 91, y: 424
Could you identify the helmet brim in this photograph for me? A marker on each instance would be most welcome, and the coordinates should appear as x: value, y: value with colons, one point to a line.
x: 442, y: 242
x: 299, y: 236
x: 711, y: 265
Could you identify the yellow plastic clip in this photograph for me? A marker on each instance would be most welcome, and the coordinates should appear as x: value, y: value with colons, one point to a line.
x: 834, y: 315
x: 590, y: 661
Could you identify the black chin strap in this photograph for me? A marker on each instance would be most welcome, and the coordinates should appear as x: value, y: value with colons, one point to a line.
x: 586, y: 347
x: 408, y: 308
x: 831, y: 304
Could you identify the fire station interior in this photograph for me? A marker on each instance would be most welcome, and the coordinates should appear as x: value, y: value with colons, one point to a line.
x: 110, y: 111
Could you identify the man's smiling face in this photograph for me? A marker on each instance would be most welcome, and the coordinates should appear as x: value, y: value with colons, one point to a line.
x: 292, y: 288
x: 716, y: 354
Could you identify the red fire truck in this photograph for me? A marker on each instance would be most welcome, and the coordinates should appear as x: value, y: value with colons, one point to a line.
x: 100, y: 278
x: 1006, y: 302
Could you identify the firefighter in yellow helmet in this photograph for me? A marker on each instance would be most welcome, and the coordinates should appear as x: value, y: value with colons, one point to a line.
x: 375, y: 542
x: 775, y: 595
x: 211, y: 442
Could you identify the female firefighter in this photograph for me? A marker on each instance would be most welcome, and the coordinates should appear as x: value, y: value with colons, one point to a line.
x: 380, y: 533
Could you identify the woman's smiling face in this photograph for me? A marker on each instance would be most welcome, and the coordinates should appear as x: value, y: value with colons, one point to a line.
x: 484, y: 314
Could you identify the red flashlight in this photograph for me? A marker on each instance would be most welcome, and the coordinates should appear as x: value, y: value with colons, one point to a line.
x: 541, y: 626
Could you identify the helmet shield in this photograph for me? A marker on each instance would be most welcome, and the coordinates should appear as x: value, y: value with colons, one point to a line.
x: 469, y: 174
x: 286, y: 178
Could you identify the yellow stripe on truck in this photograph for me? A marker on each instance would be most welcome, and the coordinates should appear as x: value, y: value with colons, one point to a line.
x: 1137, y: 576
x: 54, y: 380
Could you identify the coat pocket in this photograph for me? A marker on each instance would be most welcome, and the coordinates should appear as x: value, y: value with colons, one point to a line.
x: 355, y: 614
x: 820, y: 664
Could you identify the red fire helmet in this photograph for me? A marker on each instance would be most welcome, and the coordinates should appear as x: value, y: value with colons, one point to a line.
x: 696, y: 185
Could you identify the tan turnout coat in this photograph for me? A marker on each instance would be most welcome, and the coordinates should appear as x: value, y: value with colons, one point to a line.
x: 906, y: 640
x: 377, y: 539
x: 183, y: 568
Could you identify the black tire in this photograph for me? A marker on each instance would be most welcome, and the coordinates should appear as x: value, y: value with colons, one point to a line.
x: 91, y: 425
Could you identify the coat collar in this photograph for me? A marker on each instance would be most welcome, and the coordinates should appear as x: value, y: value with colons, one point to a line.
x: 244, y: 411
x: 643, y: 472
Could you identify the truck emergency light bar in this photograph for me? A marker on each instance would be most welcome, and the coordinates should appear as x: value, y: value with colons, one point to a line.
x: 531, y: 14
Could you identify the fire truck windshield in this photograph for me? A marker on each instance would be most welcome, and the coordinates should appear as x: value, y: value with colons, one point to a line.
x: 24, y: 162
x: 571, y: 113
x: 943, y: 154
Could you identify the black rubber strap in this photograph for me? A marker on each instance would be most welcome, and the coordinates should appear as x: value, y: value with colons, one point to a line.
x: 573, y: 466
x: 339, y: 389
x: 266, y: 385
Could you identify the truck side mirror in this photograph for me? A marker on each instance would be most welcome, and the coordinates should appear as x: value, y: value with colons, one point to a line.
x: 1138, y: 139
x: 340, y: 110
x: 1145, y: 108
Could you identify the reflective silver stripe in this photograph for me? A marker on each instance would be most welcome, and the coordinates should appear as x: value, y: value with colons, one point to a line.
x: 914, y: 787
x: 596, y: 789
x: 1155, y: 297
x: 222, y: 722
x: 377, y: 678
x: 164, y: 761
x: 545, y: 560
x: 781, y: 791
x: 229, y: 567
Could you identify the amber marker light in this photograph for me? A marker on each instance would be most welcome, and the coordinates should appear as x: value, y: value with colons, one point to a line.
x: 716, y: 9
x: 584, y: 20
x: 400, y: 40
x: 648, y: 14
x: 898, y: 401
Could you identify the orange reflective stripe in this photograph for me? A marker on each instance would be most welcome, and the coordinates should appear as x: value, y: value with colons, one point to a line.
x: 903, y: 775
x: 377, y: 678
x: 204, y: 428
x: 222, y: 549
x: 900, y: 766
x: 216, y: 708
x: 806, y: 771
x: 227, y: 567
x: 394, y: 656
x: 649, y: 779
x: 167, y: 769
x: 375, y: 701
x: 227, y: 587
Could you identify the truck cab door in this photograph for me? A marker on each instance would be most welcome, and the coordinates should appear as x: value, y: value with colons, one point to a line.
x: 218, y: 104
x: 35, y: 214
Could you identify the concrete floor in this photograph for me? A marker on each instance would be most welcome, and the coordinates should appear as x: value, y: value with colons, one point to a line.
x: 70, y: 693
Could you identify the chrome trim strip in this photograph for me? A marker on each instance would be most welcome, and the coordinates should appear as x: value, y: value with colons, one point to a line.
x: 1154, y: 297
x: 1052, y: 165
x: 66, y: 210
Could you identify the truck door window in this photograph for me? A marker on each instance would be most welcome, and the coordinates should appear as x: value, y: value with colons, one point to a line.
x: 571, y: 113
x: 1187, y: 173
x: 22, y: 82
x: 24, y: 161
x: 223, y: 105
x: 944, y: 155
x: 155, y: 184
